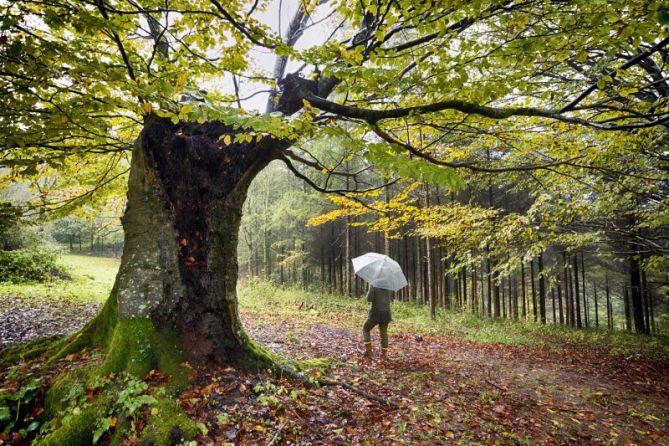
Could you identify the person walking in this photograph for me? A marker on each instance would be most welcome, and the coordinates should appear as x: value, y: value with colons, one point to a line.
x: 379, y: 314
x: 384, y: 276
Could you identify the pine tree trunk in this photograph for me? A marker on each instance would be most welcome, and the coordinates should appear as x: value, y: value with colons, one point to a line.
x: 503, y: 297
x: 577, y: 299
x: 594, y: 295
x: 636, y: 299
x: 628, y: 315
x: 522, y: 286
x: 553, y: 305
x: 586, y: 310
x: 431, y: 297
x: 609, y: 315
x: 559, y: 295
x: 281, y: 272
x: 496, y: 293
x: 475, y: 301
x: 465, y: 301
x: 515, y: 298
x: 542, y: 290
x: 646, y: 301
x: 568, y: 290
x: 483, y: 306
x: 534, y: 292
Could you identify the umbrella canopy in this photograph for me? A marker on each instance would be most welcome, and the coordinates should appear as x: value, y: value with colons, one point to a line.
x: 380, y: 271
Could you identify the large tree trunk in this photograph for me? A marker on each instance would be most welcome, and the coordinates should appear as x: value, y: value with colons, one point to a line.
x: 179, y: 265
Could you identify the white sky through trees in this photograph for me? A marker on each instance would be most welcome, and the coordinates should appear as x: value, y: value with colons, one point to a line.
x: 277, y: 16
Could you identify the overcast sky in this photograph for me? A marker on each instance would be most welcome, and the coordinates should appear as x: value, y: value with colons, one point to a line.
x: 263, y: 59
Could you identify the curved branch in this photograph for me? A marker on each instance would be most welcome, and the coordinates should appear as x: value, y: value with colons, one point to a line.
x: 315, y: 186
x: 320, y: 167
x: 126, y: 60
x: 241, y: 28
x: 464, y: 165
x: 498, y: 113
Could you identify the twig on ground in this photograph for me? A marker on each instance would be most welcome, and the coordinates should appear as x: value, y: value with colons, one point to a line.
x: 503, y: 389
x: 289, y: 372
x: 378, y: 399
x: 277, y: 435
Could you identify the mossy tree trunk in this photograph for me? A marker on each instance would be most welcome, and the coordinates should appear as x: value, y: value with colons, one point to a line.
x: 175, y: 298
x: 178, y: 273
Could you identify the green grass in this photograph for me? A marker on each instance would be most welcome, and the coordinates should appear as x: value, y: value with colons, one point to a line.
x: 310, y: 306
x: 92, y: 280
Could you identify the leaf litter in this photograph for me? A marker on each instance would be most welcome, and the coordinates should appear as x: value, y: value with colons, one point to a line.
x: 451, y: 391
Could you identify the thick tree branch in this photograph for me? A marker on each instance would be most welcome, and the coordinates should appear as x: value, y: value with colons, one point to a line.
x: 319, y: 166
x: 126, y: 60
x: 295, y: 29
x: 240, y: 27
x: 498, y: 113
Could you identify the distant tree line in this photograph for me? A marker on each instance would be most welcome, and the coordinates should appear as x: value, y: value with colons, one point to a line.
x: 572, y: 276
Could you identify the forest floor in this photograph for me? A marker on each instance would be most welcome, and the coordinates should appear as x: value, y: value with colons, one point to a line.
x: 457, y: 380
x: 551, y: 390
x: 29, y: 311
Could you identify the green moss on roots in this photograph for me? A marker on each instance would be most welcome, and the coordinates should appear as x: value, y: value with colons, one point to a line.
x: 64, y: 385
x: 30, y: 350
x: 78, y: 429
x: 97, y: 332
x: 134, y: 346
x: 137, y: 347
x: 168, y: 426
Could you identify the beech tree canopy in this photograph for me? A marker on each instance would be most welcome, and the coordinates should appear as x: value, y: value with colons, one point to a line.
x: 429, y: 80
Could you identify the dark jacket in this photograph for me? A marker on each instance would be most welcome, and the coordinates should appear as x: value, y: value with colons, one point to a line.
x: 380, y: 299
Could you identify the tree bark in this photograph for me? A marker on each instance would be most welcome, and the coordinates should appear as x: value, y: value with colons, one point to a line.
x: 577, y: 299
x: 431, y: 297
x: 559, y: 295
x: 495, y: 293
x: 522, y: 286
x: 636, y: 297
x: 609, y: 315
x: 645, y: 292
x: 628, y: 316
x: 179, y: 266
x: 594, y: 295
x: 586, y: 309
x: 534, y: 291
x: 542, y: 290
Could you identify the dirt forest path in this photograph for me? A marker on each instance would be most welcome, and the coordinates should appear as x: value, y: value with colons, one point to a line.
x: 458, y: 392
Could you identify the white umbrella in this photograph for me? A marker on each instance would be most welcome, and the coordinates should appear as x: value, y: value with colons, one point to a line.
x: 380, y: 271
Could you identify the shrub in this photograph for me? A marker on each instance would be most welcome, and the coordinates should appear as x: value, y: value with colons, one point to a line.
x: 23, y: 265
x: 10, y: 237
